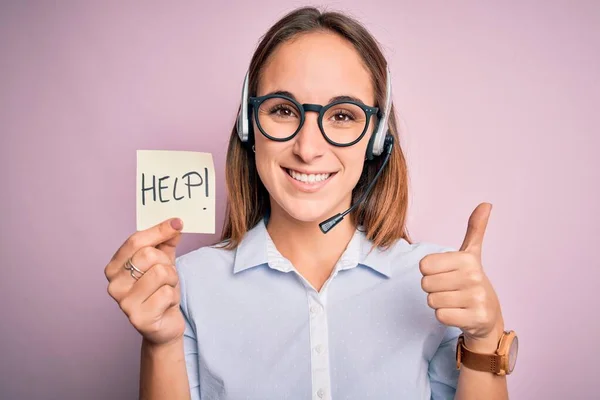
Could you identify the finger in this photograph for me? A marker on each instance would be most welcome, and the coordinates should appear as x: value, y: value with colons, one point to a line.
x: 153, y: 236
x: 445, y: 282
x: 438, y: 263
x: 119, y: 287
x: 156, y: 277
x: 141, y: 260
x: 170, y: 247
x: 146, y: 257
x: 150, y: 237
x: 161, y: 300
x: 473, y: 241
x: 122, y: 281
x: 453, y: 299
x: 458, y: 317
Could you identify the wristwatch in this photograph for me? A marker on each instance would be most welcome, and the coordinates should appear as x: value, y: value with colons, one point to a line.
x: 502, y: 362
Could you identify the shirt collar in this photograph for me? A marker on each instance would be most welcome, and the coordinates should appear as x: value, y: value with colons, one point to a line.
x: 252, y: 250
x: 257, y: 249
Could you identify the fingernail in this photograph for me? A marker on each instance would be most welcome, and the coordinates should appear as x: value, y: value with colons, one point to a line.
x: 177, y: 224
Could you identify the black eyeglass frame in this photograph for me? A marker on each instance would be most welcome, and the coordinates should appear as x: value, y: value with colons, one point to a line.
x: 255, y: 103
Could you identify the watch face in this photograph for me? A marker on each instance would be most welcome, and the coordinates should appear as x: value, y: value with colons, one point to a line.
x: 512, y: 354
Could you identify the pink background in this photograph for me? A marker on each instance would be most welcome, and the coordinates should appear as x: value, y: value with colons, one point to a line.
x: 498, y: 102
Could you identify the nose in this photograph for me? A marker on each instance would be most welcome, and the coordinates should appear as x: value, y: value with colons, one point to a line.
x: 309, y: 143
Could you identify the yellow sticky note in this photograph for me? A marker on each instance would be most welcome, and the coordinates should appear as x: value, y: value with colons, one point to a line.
x: 176, y: 184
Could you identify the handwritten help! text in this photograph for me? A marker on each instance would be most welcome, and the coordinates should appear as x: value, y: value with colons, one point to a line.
x: 190, y: 180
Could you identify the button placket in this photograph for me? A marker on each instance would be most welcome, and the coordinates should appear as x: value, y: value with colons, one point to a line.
x: 314, y: 309
x: 319, y: 342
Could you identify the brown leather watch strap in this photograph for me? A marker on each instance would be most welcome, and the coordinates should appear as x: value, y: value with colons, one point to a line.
x: 479, y: 362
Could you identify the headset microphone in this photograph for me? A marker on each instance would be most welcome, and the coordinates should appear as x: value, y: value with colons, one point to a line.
x: 336, y: 219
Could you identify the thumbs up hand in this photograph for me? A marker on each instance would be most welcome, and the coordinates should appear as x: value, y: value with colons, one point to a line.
x: 460, y: 292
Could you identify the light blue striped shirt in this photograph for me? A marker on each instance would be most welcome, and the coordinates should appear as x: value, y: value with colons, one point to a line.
x: 256, y: 329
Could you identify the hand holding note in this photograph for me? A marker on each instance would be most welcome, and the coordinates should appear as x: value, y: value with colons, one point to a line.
x: 142, y: 276
x: 150, y: 297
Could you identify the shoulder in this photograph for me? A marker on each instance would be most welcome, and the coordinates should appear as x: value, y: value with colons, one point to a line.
x: 214, y: 267
x: 205, y: 260
x: 404, y: 256
x: 414, y: 252
x: 202, y: 272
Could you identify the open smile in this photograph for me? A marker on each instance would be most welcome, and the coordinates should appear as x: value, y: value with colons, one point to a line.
x: 308, y: 181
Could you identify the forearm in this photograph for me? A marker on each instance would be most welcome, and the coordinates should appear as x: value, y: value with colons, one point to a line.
x: 475, y: 385
x: 163, y: 372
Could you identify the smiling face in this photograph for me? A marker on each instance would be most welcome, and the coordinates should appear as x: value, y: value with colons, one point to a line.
x: 308, y: 178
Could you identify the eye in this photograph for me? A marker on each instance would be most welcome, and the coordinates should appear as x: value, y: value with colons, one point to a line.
x: 342, y: 116
x: 283, y: 111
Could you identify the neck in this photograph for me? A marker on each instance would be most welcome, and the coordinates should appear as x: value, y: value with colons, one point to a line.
x: 308, y: 249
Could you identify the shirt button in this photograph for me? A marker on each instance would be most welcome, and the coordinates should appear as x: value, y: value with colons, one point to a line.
x: 321, y: 393
x: 314, y: 309
x: 319, y: 349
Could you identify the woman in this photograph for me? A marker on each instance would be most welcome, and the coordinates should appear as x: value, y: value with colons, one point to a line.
x: 279, y: 309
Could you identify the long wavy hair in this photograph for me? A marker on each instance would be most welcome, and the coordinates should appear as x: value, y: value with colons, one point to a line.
x: 383, y: 213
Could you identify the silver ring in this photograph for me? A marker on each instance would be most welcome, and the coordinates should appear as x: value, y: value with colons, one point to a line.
x: 133, y: 270
x: 132, y: 273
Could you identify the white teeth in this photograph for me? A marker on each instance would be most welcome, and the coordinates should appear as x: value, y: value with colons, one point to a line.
x: 307, y: 178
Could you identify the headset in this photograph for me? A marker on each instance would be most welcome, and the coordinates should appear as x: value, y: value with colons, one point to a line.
x: 381, y: 141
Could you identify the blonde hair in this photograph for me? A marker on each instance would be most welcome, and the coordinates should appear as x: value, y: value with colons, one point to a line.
x: 383, y: 213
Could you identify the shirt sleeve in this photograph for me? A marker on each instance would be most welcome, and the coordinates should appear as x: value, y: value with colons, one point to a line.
x: 190, y: 344
x: 443, y: 375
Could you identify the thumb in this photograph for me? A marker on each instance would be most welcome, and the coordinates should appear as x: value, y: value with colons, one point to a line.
x: 478, y: 221
x: 169, y: 247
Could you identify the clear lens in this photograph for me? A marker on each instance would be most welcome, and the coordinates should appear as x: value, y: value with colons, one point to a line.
x: 344, y: 122
x: 279, y: 117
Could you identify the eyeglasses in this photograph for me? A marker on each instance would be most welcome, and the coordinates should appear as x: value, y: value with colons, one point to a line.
x: 342, y: 123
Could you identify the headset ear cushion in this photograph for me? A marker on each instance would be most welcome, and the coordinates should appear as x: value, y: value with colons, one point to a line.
x: 250, y: 129
x: 369, y: 153
x: 250, y: 133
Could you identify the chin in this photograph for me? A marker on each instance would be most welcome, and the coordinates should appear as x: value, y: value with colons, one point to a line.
x: 307, y: 214
x: 308, y: 211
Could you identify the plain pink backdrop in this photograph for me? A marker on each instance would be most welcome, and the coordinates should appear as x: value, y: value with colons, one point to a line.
x: 499, y: 101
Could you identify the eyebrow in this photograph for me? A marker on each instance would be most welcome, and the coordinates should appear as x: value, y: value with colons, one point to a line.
x: 333, y: 99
